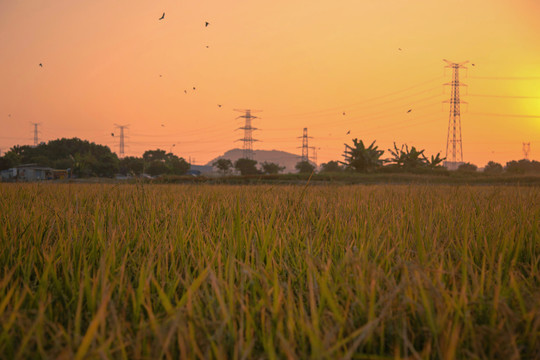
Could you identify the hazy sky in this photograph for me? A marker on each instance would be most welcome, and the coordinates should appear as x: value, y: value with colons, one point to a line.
x: 303, y: 63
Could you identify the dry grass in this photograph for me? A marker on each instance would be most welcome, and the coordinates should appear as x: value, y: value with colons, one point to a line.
x: 187, y: 271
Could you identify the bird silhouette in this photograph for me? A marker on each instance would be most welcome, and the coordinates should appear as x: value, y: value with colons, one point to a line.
x: 162, y: 17
x: 207, y: 46
x: 194, y: 88
x: 185, y: 91
x: 112, y: 134
x: 40, y: 65
x: 348, y: 132
x: 344, y: 113
x: 219, y: 105
x: 472, y: 64
x: 206, y: 24
x: 408, y: 111
x: 399, y: 49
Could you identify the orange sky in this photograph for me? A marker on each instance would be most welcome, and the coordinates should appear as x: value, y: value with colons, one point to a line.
x: 303, y: 63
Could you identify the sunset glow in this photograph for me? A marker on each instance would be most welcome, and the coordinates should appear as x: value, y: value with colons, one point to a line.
x: 304, y: 63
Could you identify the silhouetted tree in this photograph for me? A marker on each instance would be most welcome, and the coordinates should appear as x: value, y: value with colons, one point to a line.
x: 361, y: 158
x: 84, y: 157
x: 223, y: 165
x: 331, y: 166
x: 159, y: 162
x: 272, y: 168
x: 9, y: 160
x: 522, y: 166
x: 467, y: 167
x: 493, y: 168
x: 154, y: 155
x: 176, y: 165
x: 131, y: 165
x: 407, y: 158
x: 305, y: 167
x: 436, y: 161
x: 411, y: 158
x: 246, y: 166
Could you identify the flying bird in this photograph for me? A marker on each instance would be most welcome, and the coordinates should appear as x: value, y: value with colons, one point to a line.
x: 348, y: 132
x: 472, y: 64
x: 185, y: 91
x: 219, y: 105
x: 112, y: 134
x: 40, y: 65
x: 408, y: 111
x: 344, y: 113
x: 162, y: 17
x: 194, y: 88
x: 399, y: 49
x: 206, y: 24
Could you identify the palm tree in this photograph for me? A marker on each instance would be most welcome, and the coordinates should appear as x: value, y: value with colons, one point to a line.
x: 408, y: 158
x: 412, y: 158
x: 362, y: 158
x: 436, y: 161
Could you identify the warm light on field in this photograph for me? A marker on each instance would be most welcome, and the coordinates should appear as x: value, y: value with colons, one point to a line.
x: 331, y: 272
x: 116, y: 62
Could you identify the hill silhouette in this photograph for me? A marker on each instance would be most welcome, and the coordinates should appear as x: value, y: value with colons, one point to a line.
x: 282, y: 158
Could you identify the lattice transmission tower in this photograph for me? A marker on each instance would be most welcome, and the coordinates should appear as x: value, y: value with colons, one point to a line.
x: 122, y: 139
x: 305, y: 145
x: 526, y: 150
x: 36, y: 134
x: 248, y: 132
x: 454, y: 145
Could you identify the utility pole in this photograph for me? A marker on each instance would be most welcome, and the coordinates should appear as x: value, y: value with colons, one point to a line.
x: 122, y: 138
x: 248, y: 132
x: 36, y: 132
x: 305, y: 146
x: 526, y: 150
x: 454, y: 147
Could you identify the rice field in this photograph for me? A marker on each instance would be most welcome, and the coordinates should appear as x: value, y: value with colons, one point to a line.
x: 269, y: 272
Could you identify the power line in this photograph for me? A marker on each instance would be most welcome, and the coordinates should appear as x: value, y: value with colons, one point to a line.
x: 507, y: 115
x: 505, y: 96
x: 505, y: 77
x: 360, y: 105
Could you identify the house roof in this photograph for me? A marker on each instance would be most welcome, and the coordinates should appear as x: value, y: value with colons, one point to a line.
x: 33, y: 166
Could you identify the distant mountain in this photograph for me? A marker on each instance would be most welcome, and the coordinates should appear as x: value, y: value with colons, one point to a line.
x: 282, y: 158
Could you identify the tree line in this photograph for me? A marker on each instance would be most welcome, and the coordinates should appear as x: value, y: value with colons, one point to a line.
x: 358, y: 157
x: 87, y: 159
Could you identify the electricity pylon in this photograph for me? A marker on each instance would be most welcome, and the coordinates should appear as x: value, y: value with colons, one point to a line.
x: 526, y: 150
x: 454, y: 146
x: 305, y: 145
x: 248, y: 132
x: 36, y: 132
x: 122, y: 136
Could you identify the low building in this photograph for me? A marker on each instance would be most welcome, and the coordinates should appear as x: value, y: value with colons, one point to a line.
x: 33, y: 172
x: 452, y: 165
